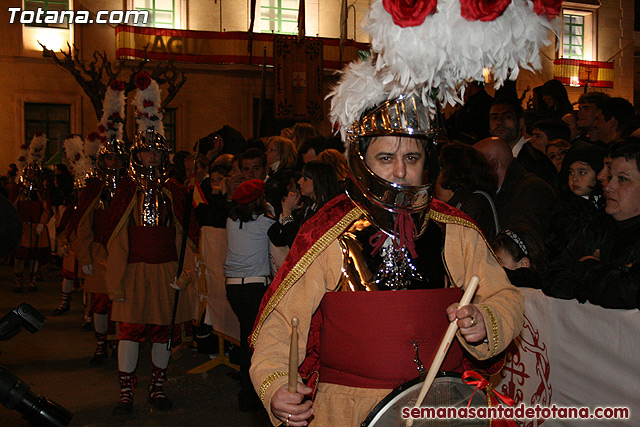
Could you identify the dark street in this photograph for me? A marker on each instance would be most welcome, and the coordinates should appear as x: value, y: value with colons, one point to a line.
x: 54, y: 362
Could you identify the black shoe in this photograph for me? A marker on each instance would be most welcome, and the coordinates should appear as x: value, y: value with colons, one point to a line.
x: 62, y: 309
x: 123, y: 408
x: 161, y: 403
x: 98, y: 359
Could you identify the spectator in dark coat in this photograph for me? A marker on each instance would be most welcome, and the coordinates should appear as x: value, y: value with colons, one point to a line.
x: 522, y: 198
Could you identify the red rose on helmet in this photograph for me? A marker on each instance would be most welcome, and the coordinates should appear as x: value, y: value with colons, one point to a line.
x: 146, y: 103
x: 550, y: 8
x: 409, y: 13
x: 483, y: 10
x: 143, y: 80
x: 101, y: 128
x: 117, y: 85
x: 93, y: 136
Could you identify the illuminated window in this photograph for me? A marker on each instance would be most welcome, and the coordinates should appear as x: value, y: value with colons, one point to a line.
x: 47, y: 5
x: 573, y: 36
x: 578, y: 33
x: 162, y: 12
x: 279, y: 16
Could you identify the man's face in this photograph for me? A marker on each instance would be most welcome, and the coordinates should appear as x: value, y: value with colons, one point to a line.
x: 150, y: 157
x: 253, y: 169
x: 504, y: 124
x: 112, y: 161
x: 623, y: 189
x: 539, y: 140
x: 396, y: 159
x: 606, y: 128
x: 586, y: 115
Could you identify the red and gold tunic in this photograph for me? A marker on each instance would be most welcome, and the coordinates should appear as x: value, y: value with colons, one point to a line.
x: 314, y: 269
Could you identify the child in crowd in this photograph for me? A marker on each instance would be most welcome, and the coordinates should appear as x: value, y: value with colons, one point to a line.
x: 580, y: 195
x: 520, y: 251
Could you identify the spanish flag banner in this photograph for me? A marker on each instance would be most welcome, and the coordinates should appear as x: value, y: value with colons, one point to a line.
x: 198, y: 194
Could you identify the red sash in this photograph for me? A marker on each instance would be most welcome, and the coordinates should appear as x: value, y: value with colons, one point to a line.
x: 100, y: 218
x: 30, y: 210
x: 366, y: 337
x: 152, y: 245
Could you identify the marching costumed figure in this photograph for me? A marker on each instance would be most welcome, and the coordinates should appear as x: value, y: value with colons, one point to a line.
x: 111, y: 157
x: 143, y: 253
x: 79, y: 168
x: 35, y: 211
x: 358, y: 342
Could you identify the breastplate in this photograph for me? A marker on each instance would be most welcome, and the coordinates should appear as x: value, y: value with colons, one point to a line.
x: 152, y: 208
x: 362, y: 269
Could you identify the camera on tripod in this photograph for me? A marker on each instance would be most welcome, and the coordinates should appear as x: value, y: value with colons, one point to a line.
x: 14, y: 393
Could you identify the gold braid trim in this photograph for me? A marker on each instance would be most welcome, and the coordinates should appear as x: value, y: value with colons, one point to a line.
x: 123, y: 220
x: 494, y: 328
x: 450, y: 219
x: 302, y: 265
x: 267, y: 383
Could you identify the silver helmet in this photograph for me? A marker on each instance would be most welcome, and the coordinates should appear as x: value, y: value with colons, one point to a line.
x: 32, y: 175
x: 106, y: 170
x: 154, y: 175
x: 382, y: 199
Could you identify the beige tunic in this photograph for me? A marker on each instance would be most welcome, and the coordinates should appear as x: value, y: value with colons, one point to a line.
x: 141, y: 291
x: 466, y: 254
x: 90, y: 252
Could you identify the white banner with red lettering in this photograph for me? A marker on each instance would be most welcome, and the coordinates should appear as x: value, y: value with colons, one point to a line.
x: 574, y: 355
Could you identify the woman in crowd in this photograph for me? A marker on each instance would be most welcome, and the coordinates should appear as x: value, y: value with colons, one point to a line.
x: 521, y: 252
x: 318, y: 185
x: 247, y: 271
x: 556, y: 99
x: 281, y: 160
x: 556, y: 150
x: 336, y: 159
x: 466, y: 182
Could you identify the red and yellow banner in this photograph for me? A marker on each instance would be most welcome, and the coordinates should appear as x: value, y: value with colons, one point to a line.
x: 577, y: 72
x: 211, y: 47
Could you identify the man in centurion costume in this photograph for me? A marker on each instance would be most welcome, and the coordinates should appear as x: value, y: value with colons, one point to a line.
x: 386, y: 233
x: 34, y: 207
x: 143, y: 253
x: 91, y: 236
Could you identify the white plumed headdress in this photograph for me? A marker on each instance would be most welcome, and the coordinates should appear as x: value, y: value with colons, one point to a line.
x: 429, y: 48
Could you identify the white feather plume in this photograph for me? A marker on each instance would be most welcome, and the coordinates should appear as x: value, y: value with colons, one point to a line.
x: 112, y: 120
x: 76, y: 157
x: 442, y: 53
x: 37, y: 148
x: 148, y: 108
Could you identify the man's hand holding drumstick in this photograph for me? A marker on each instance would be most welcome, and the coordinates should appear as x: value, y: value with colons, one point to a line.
x: 286, y: 402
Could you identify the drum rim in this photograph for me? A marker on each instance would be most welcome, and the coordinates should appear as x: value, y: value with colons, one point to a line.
x: 400, y: 389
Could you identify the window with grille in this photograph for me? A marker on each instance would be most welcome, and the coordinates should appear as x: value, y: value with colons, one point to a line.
x: 47, y: 5
x: 279, y: 16
x: 573, y: 36
x: 162, y: 13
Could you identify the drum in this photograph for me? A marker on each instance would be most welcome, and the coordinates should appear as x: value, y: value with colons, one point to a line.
x: 448, y: 390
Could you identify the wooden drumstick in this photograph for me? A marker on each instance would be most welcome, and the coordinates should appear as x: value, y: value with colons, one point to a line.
x: 444, y: 345
x: 293, y: 357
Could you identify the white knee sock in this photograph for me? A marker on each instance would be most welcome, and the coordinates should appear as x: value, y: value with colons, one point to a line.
x: 100, y: 322
x: 67, y: 286
x: 128, y: 356
x: 160, y: 355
